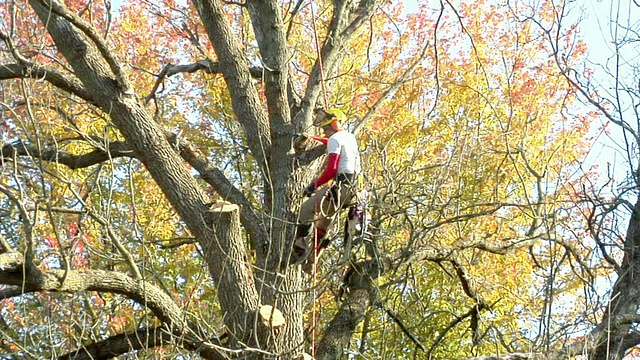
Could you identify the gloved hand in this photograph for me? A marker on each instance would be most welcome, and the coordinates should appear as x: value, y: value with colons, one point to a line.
x: 309, y: 190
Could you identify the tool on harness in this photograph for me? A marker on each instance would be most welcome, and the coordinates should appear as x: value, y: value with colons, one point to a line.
x: 309, y: 190
x: 354, y: 224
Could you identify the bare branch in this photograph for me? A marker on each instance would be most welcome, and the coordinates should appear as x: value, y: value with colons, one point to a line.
x: 216, y: 178
x: 451, y: 325
x: 120, y: 344
x: 206, y: 65
x: 266, y: 19
x: 403, y: 327
x: 209, y: 172
x: 391, y: 90
x: 235, y: 69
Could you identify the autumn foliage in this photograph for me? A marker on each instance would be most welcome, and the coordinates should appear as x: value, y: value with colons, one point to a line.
x: 473, y: 146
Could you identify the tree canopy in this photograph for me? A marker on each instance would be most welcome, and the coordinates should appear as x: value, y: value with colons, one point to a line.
x: 152, y: 169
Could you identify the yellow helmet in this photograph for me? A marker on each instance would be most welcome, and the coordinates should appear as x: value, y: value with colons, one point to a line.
x: 335, y: 114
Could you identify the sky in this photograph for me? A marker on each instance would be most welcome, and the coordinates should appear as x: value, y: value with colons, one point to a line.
x: 599, y: 34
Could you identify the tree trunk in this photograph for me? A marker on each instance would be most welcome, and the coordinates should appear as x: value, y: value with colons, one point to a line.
x: 625, y: 297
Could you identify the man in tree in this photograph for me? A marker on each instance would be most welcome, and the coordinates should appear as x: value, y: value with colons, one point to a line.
x: 343, y: 165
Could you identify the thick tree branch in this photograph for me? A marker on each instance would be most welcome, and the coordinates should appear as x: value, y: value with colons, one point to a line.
x: 235, y: 69
x: 344, y: 23
x: 468, y: 288
x: 341, y: 328
x: 358, y: 283
x: 363, y: 12
x: 11, y: 273
x: 121, y: 77
x: 189, y: 153
x: 219, y: 182
x: 73, y: 161
x: 268, y: 27
x: 34, y: 71
x: 11, y: 292
x: 163, y: 163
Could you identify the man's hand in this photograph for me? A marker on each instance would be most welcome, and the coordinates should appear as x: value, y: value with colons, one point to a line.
x: 310, y: 190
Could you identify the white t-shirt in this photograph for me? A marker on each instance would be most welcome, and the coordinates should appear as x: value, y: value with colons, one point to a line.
x: 344, y: 144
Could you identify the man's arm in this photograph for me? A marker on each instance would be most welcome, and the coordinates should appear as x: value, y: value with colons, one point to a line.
x: 329, y: 172
x: 320, y: 139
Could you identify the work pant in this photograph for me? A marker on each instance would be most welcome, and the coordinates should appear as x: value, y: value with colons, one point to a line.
x: 322, y: 206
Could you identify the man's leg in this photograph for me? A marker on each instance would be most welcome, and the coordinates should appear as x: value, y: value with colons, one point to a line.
x: 308, y: 213
x: 329, y: 205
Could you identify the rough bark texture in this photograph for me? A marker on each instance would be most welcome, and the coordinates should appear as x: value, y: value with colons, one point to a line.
x: 235, y: 70
x: 341, y: 329
x: 73, y: 161
x: 99, y: 79
x: 361, y: 295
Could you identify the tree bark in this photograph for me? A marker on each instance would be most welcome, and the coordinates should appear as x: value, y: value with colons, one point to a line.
x: 358, y: 283
x: 102, y: 78
x: 15, y: 271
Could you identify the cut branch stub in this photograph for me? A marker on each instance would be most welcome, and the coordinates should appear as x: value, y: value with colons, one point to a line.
x: 304, y: 356
x: 270, y: 316
x: 226, y: 256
